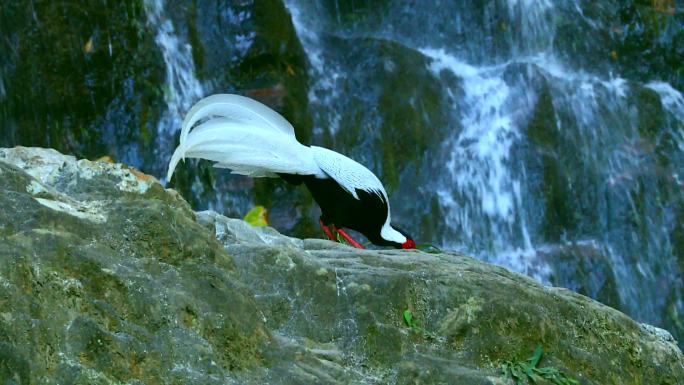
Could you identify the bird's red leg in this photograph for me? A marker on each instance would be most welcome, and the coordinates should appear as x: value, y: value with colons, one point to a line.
x: 327, y: 231
x: 348, y: 238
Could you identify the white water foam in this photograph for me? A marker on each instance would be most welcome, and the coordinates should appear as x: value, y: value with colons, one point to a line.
x: 672, y: 100
x: 486, y: 138
x: 479, y: 164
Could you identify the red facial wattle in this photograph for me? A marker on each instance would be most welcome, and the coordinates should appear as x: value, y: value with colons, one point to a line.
x: 409, y: 244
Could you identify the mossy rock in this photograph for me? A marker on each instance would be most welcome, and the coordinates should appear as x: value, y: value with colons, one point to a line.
x: 71, y: 67
x: 125, y: 284
x: 117, y: 283
x: 560, y: 203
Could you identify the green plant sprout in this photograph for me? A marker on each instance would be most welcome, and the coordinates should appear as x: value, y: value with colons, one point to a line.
x: 413, y: 325
x: 526, y: 372
x: 341, y: 239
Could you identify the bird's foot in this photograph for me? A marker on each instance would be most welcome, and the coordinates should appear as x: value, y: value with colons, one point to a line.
x: 327, y: 231
x: 348, y: 238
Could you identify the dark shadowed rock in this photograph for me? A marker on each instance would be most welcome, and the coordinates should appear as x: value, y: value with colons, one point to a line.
x: 107, y: 278
x: 586, y: 269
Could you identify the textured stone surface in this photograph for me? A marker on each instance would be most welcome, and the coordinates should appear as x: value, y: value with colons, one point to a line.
x: 107, y: 278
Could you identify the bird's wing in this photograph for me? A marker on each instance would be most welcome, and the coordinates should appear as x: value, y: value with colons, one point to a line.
x: 349, y: 174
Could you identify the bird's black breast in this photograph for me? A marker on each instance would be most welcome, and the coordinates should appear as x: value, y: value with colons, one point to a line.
x: 366, y: 215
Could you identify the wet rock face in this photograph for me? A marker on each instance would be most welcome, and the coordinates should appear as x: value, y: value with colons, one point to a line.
x: 107, y: 278
x: 67, y: 68
x: 592, y: 273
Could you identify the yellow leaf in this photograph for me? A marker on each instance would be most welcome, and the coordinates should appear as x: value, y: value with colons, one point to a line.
x: 106, y: 158
x: 290, y: 71
x: 88, y: 48
x: 257, y: 216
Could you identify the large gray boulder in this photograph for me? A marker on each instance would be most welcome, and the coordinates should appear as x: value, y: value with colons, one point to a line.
x: 108, y: 278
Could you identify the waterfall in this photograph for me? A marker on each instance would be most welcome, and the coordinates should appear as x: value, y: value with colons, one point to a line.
x: 500, y: 185
x: 323, y: 92
x: 485, y: 141
x: 182, y: 88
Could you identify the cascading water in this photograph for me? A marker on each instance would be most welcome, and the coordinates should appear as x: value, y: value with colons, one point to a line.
x: 182, y: 89
x: 482, y: 186
x: 539, y: 154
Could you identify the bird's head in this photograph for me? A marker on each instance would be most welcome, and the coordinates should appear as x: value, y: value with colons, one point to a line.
x: 398, y: 238
x: 409, y: 244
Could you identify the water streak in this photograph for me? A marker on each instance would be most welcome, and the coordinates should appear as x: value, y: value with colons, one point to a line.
x: 479, y: 156
x: 182, y: 88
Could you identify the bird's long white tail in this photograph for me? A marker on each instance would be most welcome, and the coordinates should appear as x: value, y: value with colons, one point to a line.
x: 243, y: 135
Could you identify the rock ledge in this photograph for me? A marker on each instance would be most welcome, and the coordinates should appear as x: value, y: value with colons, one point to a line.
x: 108, y: 278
